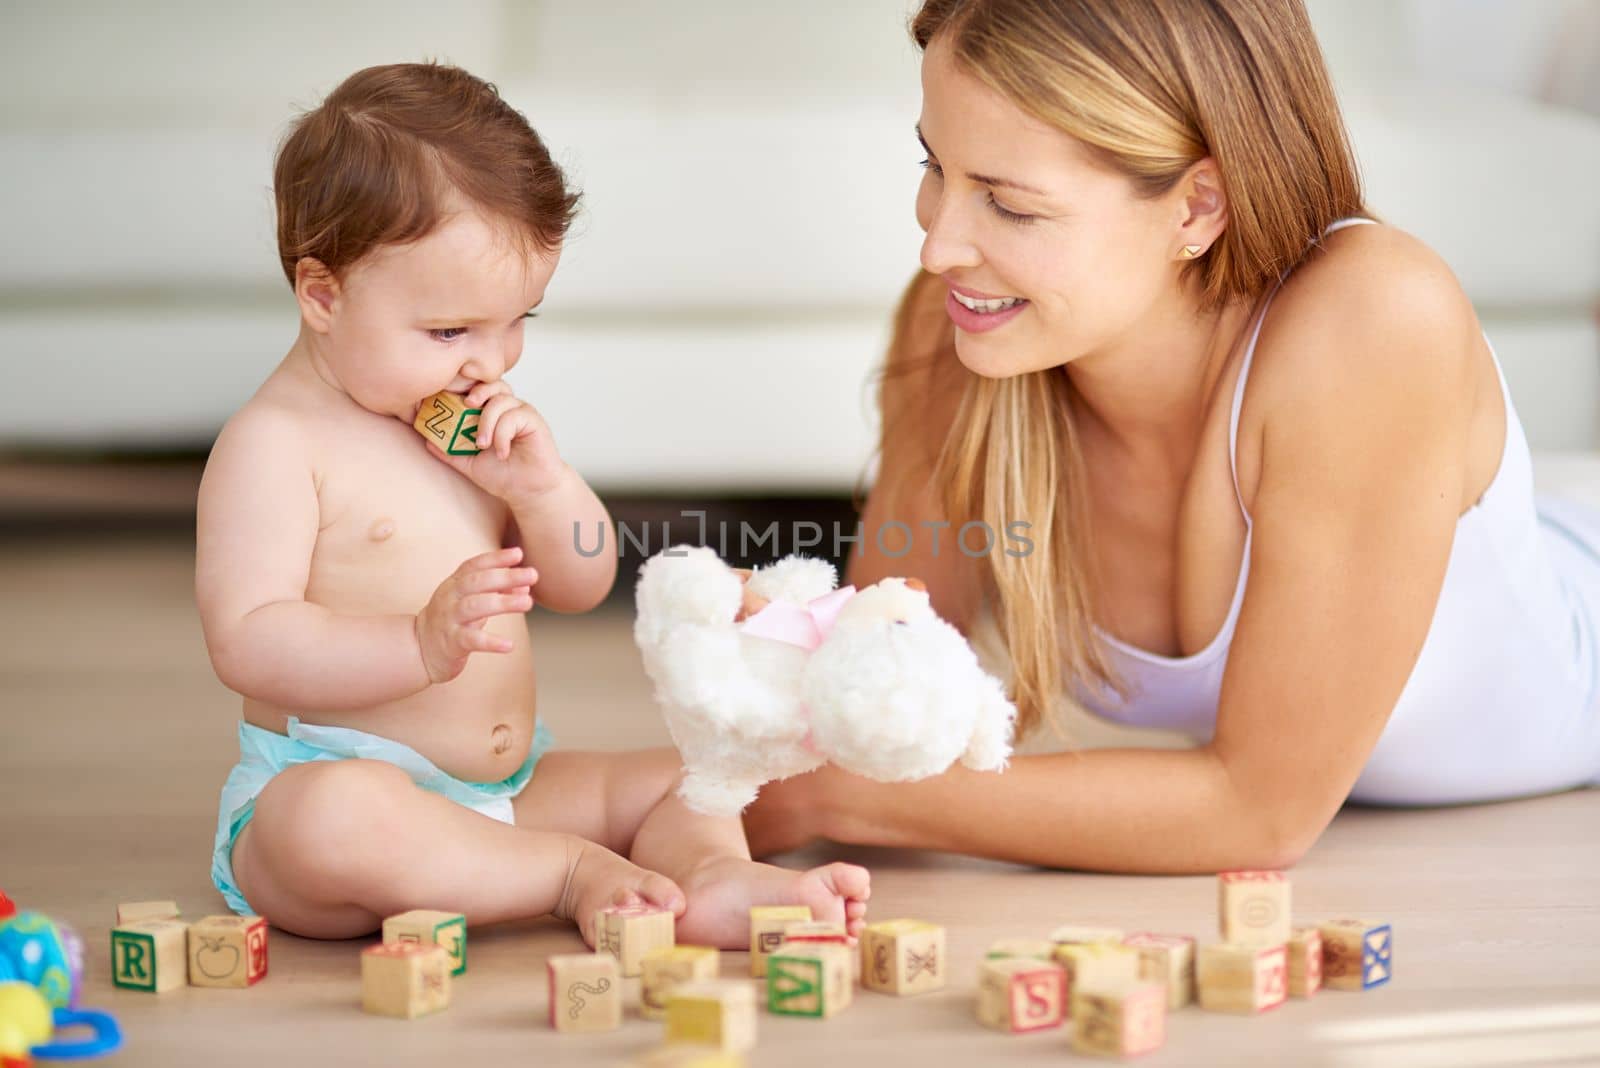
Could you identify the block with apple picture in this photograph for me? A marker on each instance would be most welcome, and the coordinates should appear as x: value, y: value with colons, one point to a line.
x: 227, y: 951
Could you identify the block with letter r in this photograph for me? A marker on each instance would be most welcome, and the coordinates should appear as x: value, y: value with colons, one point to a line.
x: 151, y: 955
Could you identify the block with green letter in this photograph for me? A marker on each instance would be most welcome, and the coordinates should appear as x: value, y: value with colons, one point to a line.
x: 429, y: 926
x: 445, y: 420
x: 151, y: 955
x: 808, y: 979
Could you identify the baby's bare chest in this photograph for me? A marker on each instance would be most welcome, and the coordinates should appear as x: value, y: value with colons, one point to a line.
x: 394, y: 522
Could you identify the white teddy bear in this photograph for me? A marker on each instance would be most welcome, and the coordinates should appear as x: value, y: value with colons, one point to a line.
x: 874, y: 681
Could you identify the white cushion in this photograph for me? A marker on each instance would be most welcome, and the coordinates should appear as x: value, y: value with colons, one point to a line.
x: 1502, y: 188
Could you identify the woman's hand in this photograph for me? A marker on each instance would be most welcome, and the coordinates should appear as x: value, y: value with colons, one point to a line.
x: 751, y: 603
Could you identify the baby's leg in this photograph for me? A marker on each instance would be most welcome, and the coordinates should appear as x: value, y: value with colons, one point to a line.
x: 628, y: 803
x: 335, y: 846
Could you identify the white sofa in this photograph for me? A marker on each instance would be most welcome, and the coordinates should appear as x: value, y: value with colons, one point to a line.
x: 748, y: 175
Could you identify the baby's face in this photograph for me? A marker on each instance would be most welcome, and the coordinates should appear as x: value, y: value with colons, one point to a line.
x: 444, y: 312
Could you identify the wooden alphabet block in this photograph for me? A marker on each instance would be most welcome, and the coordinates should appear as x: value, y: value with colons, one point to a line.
x: 1077, y: 934
x: 628, y: 932
x: 1253, y: 907
x: 1356, y: 954
x: 1305, y: 962
x: 903, y: 957
x: 445, y: 420
x: 816, y: 931
x: 1020, y: 995
x: 767, y: 924
x: 1168, y: 960
x: 405, y: 979
x: 585, y: 992
x: 1030, y: 948
x: 689, y: 1057
x: 1242, y: 978
x: 830, y: 933
x: 808, y: 979
x: 227, y: 951
x: 150, y: 955
x: 1120, y: 1020
x: 447, y: 929
x: 714, y: 1012
x: 667, y: 966
x: 134, y: 911
x: 1095, y: 964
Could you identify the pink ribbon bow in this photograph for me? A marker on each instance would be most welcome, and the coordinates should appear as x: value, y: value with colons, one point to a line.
x: 804, y: 625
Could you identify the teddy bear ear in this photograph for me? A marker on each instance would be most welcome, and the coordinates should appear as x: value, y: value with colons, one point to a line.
x: 795, y: 579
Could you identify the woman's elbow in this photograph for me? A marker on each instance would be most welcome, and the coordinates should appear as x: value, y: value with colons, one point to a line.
x: 1280, y: 840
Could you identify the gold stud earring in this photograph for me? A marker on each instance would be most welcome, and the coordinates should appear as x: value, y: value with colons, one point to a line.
x: 1191, y: 251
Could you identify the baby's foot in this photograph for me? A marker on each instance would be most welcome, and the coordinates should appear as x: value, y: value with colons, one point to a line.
x: 722, y: 890
x: 597, y: 878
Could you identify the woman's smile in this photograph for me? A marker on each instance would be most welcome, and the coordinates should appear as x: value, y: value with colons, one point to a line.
x: 975, y: 312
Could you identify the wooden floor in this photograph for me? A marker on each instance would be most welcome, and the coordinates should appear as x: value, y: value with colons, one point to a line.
x: 117, y: 738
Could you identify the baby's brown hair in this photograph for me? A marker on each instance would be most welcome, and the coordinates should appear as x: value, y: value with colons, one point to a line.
x: 372, y: 165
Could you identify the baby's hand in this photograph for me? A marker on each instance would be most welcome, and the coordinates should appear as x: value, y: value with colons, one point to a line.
x: 517, y: 458
x: 450, y: 628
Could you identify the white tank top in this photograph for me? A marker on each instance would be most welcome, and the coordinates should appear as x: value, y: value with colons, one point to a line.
x: 1502, y: 699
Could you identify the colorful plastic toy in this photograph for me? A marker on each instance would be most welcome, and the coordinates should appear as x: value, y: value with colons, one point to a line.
x: 35, y: 949
x: 27, y: 1023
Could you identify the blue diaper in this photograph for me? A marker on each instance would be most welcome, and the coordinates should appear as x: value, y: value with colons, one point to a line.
x: 262, y: 754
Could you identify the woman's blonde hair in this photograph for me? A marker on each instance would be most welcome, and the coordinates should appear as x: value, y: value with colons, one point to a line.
x: 1150, y: 87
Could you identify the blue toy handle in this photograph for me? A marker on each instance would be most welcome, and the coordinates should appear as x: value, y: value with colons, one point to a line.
x: 107, y: 1036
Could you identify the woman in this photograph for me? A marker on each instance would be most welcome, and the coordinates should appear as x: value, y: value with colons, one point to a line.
x: 1156, y: 323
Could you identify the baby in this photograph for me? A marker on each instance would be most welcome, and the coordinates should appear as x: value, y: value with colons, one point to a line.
x: 365, y: 592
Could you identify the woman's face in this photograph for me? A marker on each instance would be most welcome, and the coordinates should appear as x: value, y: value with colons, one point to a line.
x: 1048, y: 254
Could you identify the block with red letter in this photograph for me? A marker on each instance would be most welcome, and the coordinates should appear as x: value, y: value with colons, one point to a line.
x: 227, y: 951
x: 1242, y: 978
x: 1168, y: 960
x: 1356, y: 954
x: 903, y: 957
x: 1021, y: 995
x: 585, y: 992
x: 1253, y: 907
x: 628, y: 932
x: 1119, y: 1020
x: 405, y: 979
x: 1305, y: 962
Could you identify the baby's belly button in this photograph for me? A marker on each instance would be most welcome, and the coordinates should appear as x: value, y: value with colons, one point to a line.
x: 501, y: 738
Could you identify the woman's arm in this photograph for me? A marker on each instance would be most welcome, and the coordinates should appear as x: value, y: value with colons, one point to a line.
x: 1365, y: 396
